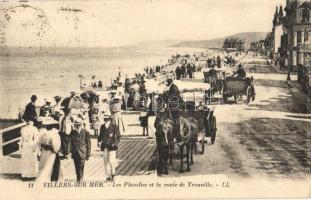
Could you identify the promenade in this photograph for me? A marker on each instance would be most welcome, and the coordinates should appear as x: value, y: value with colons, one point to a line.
x: 268, y: 138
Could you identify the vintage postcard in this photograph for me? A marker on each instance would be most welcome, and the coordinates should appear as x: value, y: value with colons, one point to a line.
x: 155, y: 99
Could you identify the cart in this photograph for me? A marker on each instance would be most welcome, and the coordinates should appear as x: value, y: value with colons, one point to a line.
x: 203, y: 123
x: 200, y: 117
x: 238, y: 87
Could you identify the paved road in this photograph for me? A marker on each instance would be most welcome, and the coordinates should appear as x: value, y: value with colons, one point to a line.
x: 270, y: 137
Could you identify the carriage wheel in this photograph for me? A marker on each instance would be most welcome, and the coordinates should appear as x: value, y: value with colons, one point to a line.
x: 253, y: 97
x: 214, y: 130
x: 253, y: 93
x: 248, y: 94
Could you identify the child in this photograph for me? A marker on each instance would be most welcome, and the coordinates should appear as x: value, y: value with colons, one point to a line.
x: 143, y: 118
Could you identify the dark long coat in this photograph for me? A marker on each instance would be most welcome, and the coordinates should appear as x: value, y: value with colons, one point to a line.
x: 80, y: 144
x: 109, y: 136
x: 30, y: 112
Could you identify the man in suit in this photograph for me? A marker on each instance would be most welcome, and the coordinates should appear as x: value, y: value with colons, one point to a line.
x: 80, y: 147
x: 30, y: 113
x: 173, y: 95
x: 178, y: 73
x: 108, y: 141
x: 65, y: 103
x: 174, y: 103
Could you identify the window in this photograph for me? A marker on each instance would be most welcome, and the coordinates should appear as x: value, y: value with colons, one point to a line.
x: 298, y: 37
x: 306, y: 16
x: 306, y: 35
x: 299, y: 15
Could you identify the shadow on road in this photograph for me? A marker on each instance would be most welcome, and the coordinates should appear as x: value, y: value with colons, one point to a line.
x: 280, y: 147
x: 279, y: 98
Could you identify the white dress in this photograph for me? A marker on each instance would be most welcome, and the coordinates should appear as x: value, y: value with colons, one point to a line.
x: 115, y: 110
x: 51, y: 139
x: 86, y: 118
x: 29, y: 162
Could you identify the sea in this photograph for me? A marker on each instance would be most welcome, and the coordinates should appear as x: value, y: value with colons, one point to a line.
x: 47, y: 72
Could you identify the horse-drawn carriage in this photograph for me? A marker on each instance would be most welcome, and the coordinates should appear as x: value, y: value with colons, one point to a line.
x: 229, y: 86
x: 216, y: 80
x: 237, y: 87
x: 196, y: 121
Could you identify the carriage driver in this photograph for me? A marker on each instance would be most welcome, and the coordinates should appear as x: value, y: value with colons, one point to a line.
x: 240, y: 72
x: 212, y: 72
x: 173, y: 103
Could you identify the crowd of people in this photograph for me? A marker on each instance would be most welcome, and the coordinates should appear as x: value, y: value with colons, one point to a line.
x: 186, y: 70
x: 151, y: 71
x: 62, y: 130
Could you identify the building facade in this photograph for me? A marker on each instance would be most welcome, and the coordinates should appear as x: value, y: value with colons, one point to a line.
x: 278, y: 30
x: 298, y: 28
x: 234, y: 44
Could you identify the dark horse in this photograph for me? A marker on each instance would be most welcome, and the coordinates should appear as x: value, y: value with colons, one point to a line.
x: 165, y: 139
x: 168, y: 134
x: 216, y: 85
x: 189, y: 137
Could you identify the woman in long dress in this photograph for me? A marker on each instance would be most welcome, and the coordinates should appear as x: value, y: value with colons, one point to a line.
x: 153, y: 106
x: 135, y: 88
x: 85, y: 112
x: 29, y: 161
x: 50, y: 167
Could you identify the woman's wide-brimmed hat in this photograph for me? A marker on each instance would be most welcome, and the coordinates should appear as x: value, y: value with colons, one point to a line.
x: 107, y: 117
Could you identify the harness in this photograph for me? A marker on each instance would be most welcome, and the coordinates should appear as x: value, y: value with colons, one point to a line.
x: 183, y: 122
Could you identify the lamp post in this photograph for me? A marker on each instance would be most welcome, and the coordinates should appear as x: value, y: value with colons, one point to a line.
x: 288, y: 66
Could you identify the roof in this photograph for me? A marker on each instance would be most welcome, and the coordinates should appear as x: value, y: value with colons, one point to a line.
x: 233, y: 39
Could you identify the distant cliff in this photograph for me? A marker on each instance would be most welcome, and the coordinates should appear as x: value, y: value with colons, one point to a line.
x: 218, y: 43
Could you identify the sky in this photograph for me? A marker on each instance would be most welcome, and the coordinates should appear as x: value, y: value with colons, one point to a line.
x: 106, y: 23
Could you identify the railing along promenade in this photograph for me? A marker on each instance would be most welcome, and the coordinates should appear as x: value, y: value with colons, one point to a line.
x: 9, y: 138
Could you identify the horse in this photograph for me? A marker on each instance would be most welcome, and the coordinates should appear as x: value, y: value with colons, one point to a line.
x: 188, y: 133
x: 183, y: 132
x: 165, y: 139
x: 216, y: 85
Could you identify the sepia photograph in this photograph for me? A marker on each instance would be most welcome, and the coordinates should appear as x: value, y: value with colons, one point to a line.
x: 155, y: 99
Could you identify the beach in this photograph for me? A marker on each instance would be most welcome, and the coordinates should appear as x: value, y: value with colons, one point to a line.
x: 47, y: 72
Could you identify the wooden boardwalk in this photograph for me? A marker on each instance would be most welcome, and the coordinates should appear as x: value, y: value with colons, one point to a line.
x: 135, y: 156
